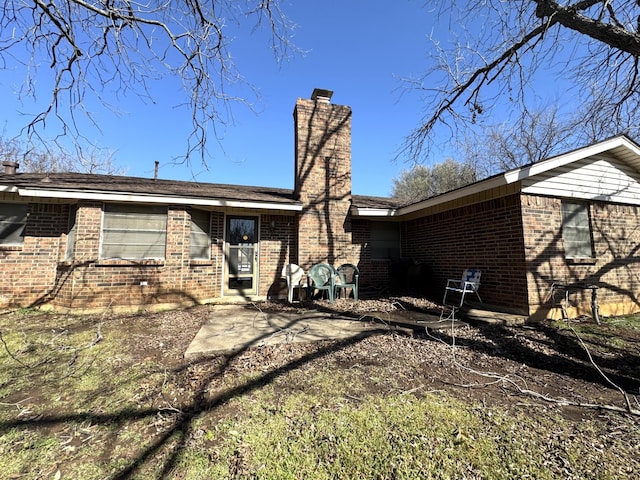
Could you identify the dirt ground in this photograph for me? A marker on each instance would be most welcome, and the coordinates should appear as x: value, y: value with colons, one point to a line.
x: 500, y: 365
x: 542, y: 369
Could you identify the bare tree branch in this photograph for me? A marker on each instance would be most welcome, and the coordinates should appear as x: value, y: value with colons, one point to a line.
x: 96, y: 48
x: 613, y: 34
x: 592, y: 44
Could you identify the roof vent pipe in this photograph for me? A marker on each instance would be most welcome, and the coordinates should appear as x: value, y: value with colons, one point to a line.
x: 10, y: 168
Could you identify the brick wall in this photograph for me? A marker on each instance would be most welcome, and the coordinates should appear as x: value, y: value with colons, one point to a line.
x: 99, y: 283
x: 278, y: 247
x: 373, y: 273
x: 615, y: 267
x: 38, y: 271
x: 323, y: 182
x: 214, y: 278
x: 29, y: 271
x: 89, y: 283
x: 485, y: 235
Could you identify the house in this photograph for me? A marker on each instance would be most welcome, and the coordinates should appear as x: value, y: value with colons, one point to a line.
x: 83, y: 241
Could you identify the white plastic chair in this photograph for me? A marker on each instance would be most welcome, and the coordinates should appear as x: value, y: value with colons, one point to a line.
x: 293, y: 273
x: 470, y: 283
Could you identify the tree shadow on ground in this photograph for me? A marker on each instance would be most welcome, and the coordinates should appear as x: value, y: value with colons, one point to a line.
x: 566, y: 355
x: 167, y: 447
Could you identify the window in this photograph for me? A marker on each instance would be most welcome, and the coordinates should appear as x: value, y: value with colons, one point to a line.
x: 576, y: 232
x: 13, y: 219
x: 385, y: 241
x: 200, y: 240
x: 71, y: 231
x: 134, y: 232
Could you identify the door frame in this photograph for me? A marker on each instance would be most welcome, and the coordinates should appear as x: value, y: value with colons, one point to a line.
x: 227, y: 276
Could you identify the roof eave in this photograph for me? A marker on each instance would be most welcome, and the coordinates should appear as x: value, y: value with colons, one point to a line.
x: 522, y: 173
x: 569, y: 157
x: 373, y: 212
x: 150, y: 198
x: 477, y: 187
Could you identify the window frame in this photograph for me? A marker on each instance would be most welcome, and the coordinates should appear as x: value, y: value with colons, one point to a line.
x: 127, y: 212
x: 577, y: 235
x: 9, y: 220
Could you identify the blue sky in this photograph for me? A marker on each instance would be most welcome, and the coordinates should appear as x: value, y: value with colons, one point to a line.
x: 358, y: 49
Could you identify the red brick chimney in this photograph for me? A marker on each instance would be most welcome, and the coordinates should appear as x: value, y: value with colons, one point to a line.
x: 323, y: 179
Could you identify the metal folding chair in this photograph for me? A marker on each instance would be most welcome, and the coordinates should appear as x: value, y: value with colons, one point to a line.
x: 458, y: 289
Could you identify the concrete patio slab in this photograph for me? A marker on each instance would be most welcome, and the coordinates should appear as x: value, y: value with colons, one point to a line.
x: 232, y: 328
x: 236, y: 327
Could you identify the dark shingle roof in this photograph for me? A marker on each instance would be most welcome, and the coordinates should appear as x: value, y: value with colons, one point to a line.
x: 85, y: 182
x: 147, y: 186
x: 363, y: 201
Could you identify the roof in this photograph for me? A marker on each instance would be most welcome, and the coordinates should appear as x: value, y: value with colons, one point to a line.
x: 362, y: 201
x: 620, y: 147
x: 105, y: 187
x: 138, y: 189
x: 121, y: 188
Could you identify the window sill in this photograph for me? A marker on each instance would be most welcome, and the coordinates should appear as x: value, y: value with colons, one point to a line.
x: 581, y: 261
x: 11, y: 248
x: 200, y: 263
x: 119, y: 262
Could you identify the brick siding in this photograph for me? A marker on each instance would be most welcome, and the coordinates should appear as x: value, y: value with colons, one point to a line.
x: 323, y: 183
x: 615, y: 267
x: 38, y: 272
x: 514, y: 238
x: 29, y: 271
x: 278, y: 248
x: 485, y: 235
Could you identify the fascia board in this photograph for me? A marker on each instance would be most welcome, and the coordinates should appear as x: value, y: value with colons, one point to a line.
x: 487, y: 184
x: 138, y: 198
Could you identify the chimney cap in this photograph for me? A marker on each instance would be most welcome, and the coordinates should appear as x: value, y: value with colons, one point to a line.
x: 10, y: 167
x: 321, y: 95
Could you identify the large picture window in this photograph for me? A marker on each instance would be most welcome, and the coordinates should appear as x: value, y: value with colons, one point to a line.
x: 576, y: 230
x: 13, y: 219
x: 385, y: 241
x: 134, y: 232
x: 200, y: 248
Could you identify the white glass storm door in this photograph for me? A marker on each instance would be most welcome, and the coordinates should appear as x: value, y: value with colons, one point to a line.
x: 241, y: 254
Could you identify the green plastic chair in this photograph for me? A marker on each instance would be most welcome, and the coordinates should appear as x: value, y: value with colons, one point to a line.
x: 348, y: 278
x: 321, y: 277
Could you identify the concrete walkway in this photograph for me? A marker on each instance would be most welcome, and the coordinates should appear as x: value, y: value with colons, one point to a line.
x: 235, y: 327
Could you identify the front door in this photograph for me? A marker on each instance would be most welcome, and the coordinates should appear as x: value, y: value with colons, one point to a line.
x: 241, y: 255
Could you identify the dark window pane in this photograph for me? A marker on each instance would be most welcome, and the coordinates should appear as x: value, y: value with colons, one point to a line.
x: 385, y: 241
x: 13, y: 219
x: 576, y: 230
x: 200, y: 240
x: 242, y: 230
